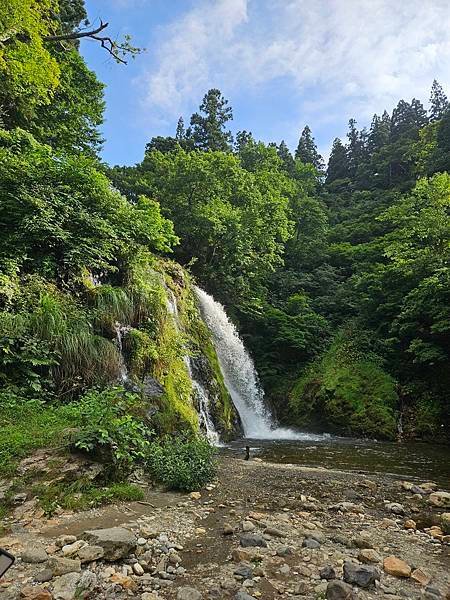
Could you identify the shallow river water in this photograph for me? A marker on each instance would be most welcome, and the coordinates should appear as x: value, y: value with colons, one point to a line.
x: 413, y: 460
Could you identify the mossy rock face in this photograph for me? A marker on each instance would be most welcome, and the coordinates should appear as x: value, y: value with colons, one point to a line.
x: 204, y: 361
x: 158, y: 349
x: 345, y: 392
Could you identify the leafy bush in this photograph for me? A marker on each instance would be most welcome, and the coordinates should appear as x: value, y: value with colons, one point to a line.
x: 112, y: 429
x: 182, y: 464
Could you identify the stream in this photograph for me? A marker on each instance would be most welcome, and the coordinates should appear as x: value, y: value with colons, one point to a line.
x: 413, y: 461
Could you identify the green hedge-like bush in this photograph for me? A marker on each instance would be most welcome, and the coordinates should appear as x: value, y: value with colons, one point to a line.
x: 182, y: 464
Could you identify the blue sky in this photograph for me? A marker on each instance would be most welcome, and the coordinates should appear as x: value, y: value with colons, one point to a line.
x: 280, y: 63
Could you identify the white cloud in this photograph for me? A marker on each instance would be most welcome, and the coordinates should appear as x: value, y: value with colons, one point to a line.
x: 358, y: 55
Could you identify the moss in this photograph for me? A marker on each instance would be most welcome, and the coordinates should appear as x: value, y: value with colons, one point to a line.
x: 201, y: 348
x: 346, y: 392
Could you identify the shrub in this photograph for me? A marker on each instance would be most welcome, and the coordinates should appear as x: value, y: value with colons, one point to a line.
x: 182, y: 464
x: 112, y: 429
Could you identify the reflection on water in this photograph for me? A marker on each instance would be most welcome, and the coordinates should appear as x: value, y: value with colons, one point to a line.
x: 414, y: 461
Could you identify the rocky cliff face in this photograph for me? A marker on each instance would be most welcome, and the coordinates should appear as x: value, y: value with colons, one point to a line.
x: 171, y: 357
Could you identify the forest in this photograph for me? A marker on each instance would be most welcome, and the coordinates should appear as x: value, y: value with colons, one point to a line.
x: 337, y: 276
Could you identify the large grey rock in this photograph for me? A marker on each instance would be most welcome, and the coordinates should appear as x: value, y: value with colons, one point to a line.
x: 361, y: 575
x: 338, y: 590
x: 117, y: 542
x: 61, y: 566
x: 87, y: 582
x: 34, y: 553
x: 248, y: 540
x: 188, y: 593
x: 65, y: 587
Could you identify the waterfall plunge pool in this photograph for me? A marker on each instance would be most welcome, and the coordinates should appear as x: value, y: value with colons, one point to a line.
x: 413, y: 461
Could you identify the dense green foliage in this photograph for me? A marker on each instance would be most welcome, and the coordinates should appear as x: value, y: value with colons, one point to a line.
x: 338, y: 280
x: 182, y: 464
x: 299, y: 256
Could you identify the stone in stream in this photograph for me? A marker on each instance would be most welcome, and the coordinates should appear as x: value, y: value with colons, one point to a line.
x: 360, y: 575
x: 338, y: 590
x: 117, y: 542
x: 248, y: 540
x: 396, y: 567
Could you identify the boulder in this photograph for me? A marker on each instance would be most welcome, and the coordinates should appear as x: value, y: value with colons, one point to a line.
x: 65, y: 587
x: 396, y: 567
x: 338, y: 590
x: 61, y: 566
x: 360, y: 575
x: 117, y: 542
x: 440, y: 499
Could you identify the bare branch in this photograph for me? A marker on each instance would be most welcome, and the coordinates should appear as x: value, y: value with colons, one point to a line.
x: 76, y: 35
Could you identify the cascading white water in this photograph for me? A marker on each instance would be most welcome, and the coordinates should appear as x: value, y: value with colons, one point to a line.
x: 240, y: 375
x: 121, y: 330
x: 200, y: 391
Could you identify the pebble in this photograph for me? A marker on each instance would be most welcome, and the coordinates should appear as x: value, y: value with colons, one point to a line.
x: 248, y: 526
x: 138, y: 570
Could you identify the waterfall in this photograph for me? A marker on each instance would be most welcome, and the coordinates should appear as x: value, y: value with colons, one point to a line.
x: 121, y: 330
x: 240, y: 375
x: 201, y: 393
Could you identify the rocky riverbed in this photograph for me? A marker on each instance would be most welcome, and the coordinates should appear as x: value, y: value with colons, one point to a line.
x: 260, y: 531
